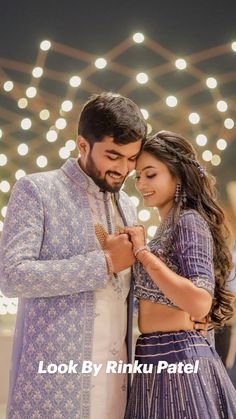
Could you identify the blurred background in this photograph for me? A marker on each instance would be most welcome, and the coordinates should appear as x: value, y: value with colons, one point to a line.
x: 176, y: 60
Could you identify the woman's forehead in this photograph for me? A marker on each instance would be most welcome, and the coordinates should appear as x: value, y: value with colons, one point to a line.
x: 147, y: 160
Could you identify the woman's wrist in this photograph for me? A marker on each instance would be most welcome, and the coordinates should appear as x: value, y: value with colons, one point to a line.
x: 149, y: 260
x: 137, y: 250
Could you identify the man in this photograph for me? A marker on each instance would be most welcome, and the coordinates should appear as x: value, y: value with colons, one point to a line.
x: 72, y: 293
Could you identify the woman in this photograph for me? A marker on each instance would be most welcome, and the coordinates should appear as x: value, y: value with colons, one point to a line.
x: 182, y: 275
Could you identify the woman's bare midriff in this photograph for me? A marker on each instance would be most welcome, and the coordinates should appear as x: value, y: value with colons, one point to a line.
x: 154, y: 317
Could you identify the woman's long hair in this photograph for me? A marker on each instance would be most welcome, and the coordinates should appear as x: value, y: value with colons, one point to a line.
x: 179, y: 156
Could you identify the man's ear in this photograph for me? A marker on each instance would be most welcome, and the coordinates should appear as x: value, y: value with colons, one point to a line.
x: 82, y: 145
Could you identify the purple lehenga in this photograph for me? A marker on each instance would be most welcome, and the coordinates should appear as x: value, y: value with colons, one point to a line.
x: 208, y: 392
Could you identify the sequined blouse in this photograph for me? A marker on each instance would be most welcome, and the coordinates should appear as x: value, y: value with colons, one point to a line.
x: 191, y: 256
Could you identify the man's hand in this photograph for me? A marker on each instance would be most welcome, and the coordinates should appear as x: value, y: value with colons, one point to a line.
x: 200, y: 325
x: 120, y: 250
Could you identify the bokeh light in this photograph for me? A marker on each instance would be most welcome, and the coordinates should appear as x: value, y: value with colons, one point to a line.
x: 171, y: 101
x: 181, y: 64
x: 138, y: 37
x: 142, y: 78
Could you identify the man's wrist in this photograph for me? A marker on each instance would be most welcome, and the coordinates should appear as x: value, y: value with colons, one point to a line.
x: 109, y: 264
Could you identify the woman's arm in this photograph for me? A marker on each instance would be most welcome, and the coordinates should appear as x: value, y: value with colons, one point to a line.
x: 181, y: 291
x: 191, y: 291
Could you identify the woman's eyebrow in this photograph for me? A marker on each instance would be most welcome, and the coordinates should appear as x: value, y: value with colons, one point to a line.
x: 147, y: 167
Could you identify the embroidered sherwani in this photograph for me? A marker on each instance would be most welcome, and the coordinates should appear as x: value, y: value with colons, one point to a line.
x: 69, y: 309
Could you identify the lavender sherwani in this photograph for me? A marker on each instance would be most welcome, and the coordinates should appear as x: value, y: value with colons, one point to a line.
x: 49, y: 259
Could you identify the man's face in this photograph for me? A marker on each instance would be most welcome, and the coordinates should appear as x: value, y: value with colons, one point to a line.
x: 108, y: 164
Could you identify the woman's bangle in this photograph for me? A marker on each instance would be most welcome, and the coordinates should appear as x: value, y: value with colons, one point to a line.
x: 109, y: 263
x: 140, y: 249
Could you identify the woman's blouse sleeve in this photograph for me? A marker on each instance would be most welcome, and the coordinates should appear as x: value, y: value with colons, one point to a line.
x: 194, y: 248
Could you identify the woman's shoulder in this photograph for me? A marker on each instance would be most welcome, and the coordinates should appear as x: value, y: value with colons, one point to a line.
x: 192, y: 219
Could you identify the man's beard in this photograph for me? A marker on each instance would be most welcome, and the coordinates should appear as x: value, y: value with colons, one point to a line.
x: 94, y: 173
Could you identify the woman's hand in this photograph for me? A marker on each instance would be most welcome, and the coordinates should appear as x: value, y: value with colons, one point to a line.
x: 201, y: 325
x: 137, y: 236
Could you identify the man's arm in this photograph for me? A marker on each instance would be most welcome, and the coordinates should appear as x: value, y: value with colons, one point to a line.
x: 21, y: 273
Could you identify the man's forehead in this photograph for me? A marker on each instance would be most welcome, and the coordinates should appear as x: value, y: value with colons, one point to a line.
x: 110, y: 140
x: 108, y: 144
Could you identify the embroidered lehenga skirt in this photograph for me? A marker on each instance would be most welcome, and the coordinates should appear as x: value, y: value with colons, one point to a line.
x: 206, y: 393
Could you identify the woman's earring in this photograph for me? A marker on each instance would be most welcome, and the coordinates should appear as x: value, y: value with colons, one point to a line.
x: 184, y: 198
x: 177, y: 192
x: 180, y: 195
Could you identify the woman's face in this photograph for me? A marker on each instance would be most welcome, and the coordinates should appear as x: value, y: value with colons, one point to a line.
x: 155, y: 182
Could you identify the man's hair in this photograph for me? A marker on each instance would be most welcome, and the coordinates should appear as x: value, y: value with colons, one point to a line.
x: 113, y: 115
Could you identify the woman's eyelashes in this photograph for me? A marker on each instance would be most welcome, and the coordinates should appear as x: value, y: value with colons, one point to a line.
x: 137, y: 177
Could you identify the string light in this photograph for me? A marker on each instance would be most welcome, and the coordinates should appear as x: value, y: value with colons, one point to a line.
x: 152, y: 231
x: 171, y: 101
x: 211, y: 82
x: 5, y: 186
x: 144, y: 215
x: 207, y: 155
x: 60, y: 123
x: 201, y: 140
x: 22, y: 103
x: 67, y: 105
x: 51, y: 136
x: 229, y: 123
x: 70, y: 145
x: 4, y: 211
x: 138, y: 37
x: 64, y: 153
x: 216, y: 160
x: 233, y: 46
x: 19, y: 174
x: 44, y: 114
x: 3, y: 160
x: 31, y: 92
x: 144, y: 113
x: 194, y: 118
x: 37, y: 72
x: 45, y: 45
x: 181, y: 64
x: 8, y: 86
x: 222, y: 106
x: 142, y: 78
x: 41, y: 161
x: 100, y: 63
x: 221, y: 144
x: 26, y: 123
x: 75, y: 81
x: 22, y: 149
